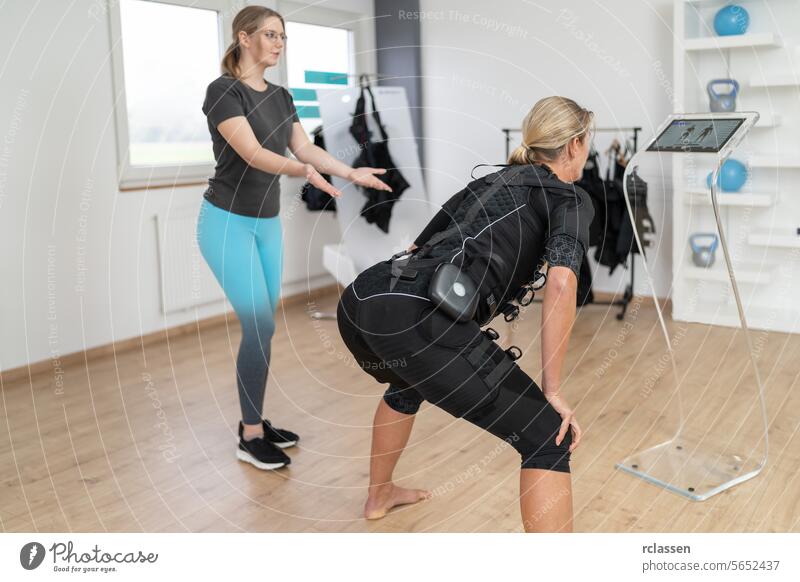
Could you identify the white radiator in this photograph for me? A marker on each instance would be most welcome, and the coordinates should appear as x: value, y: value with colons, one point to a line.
x: 186, y: 280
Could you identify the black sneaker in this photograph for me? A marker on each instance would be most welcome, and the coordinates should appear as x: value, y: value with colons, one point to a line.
x: 279, y: 437
x: 261, y: 453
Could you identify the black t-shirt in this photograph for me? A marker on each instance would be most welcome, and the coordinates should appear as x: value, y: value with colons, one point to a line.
x: 236, y: 186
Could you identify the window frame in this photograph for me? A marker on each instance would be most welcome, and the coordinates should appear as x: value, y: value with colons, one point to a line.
x: 157, y: 176
x: 168, y: 176
x: 359, y: 25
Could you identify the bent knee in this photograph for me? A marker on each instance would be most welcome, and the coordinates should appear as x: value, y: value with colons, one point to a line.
x: 551, y: 458
x: 402, y: 400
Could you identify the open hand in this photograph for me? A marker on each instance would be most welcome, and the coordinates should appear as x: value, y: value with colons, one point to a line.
x: 315, y: 179
x: 366, y: 177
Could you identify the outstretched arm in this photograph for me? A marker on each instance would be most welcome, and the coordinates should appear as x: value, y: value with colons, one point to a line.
x: 239, y: 135
x: 305, y: 151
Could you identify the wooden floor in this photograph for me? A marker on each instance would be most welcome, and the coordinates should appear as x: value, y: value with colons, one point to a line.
x: 144, y: 440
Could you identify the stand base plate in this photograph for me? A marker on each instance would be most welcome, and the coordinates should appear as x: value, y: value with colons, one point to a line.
x: 681, y: 467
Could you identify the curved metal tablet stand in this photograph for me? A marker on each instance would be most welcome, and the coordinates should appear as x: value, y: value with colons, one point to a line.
x: 685, y: 463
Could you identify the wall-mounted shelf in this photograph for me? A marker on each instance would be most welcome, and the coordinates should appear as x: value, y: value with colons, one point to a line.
x: 776, y: 80
x: 777, y: 319
x: 702, y: 197
x: 767, y: 120
x: 775, y: 161
x: 754, y: 40
x: 744, y: 274
x: 779, y: 238
x: 720, y: 2
x: 766, y: 63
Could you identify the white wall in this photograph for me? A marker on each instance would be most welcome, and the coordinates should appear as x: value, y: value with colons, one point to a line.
x: 485, y: 65
x: 63, y: 220
x: 79, y: 259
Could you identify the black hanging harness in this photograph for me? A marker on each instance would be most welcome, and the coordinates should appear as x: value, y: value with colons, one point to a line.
x: 375, y: 154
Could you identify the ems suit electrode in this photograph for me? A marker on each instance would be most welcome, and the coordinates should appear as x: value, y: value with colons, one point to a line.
x: 454, y: 292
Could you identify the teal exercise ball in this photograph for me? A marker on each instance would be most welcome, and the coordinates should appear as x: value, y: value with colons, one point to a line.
x: 731, y: 20
x: 732, y: 176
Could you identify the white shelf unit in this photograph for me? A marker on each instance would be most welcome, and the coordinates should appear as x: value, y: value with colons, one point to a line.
x: 761, y: 221
x: 766, y: 39
x: 773, y: 80
x: 774, y: 238
x: 702, y: 197
x: 756, y: 274
x: 775, y: 161
x: 768, y: 120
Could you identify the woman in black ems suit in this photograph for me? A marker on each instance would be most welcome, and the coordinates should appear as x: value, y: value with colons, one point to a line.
x: 500, y: 230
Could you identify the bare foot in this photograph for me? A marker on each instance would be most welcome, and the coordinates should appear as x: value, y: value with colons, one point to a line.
x: 382, y: 499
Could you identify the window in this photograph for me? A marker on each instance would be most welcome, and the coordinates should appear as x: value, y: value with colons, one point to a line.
x: 309, y: 68
x: 169, y: 54
x: 166, y: 52
x: 325, y: 50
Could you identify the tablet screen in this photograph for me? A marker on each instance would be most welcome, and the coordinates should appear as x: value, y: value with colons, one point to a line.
x: 696, y: 135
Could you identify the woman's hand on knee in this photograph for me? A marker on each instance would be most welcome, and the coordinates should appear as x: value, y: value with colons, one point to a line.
x: 568, y: 420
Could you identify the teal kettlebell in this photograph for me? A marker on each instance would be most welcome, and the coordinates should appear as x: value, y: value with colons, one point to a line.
x: 722, y: 102
x: 703, y: 255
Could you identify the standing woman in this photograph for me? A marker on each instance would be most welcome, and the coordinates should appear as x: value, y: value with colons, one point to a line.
x: 252, y: 123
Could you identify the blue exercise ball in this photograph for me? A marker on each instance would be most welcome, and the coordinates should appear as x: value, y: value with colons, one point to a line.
x: 732, y: 176
x: 731, y: 20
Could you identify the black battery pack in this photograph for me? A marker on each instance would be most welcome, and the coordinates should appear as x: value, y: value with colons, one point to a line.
x: 454, y: 292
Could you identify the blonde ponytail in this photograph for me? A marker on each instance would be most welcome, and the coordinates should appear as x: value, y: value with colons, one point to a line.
x: 520, y: 155
x: 548, y: 128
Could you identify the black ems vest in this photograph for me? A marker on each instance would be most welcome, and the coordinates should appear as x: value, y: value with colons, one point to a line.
x: 498, y: 230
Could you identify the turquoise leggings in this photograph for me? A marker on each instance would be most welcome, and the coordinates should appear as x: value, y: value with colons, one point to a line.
x: 246, y: 256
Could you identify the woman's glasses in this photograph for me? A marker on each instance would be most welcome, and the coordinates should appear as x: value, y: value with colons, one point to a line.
x: 274, y: 36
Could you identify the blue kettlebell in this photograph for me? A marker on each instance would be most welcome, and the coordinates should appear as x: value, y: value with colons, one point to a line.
x: 703, y: 255
x: 732, y: 176
x: 731, y: 20
x: 722, y: 102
